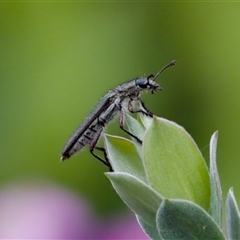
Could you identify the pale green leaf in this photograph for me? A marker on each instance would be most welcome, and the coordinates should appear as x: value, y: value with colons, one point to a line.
x: 137, y: 195
x: 232, y: 217
x: 181, y: 219
x: 123, y: 156
x: 173, y: 163
x: 216, y: 191
x: 150, y: 230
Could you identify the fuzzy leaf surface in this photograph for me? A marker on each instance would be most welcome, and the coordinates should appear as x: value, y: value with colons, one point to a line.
x: 138, y: 196
x: 136, y: 128
x: 216, y: 191
x: 173, y: 163
x: 232, y: 217
x: 146, y: 121
x: 181, y: 219
x: 123, y: 156
x: 150, y: 230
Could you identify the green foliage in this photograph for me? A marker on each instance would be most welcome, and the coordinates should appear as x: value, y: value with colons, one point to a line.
x: 181, y: 219
x: 173, y: 163
x: 167, y: 184
x: 232, y: 218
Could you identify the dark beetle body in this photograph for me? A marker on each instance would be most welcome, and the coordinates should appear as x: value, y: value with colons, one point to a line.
x: 110, y: 105
x: 88, y: 128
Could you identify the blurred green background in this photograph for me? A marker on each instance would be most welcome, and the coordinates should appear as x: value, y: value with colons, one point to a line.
x: 58, y: 59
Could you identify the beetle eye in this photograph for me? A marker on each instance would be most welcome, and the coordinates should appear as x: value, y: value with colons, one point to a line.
x: 142, y: 83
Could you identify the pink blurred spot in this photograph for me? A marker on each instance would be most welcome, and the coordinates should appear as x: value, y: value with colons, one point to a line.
x: 34, y: 211
x: 123, y: 228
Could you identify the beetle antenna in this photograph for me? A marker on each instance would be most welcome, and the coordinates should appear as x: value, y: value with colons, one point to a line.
x: 172, y: 63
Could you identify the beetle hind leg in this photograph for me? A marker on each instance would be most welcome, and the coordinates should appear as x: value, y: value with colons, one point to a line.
x: 93, y: 147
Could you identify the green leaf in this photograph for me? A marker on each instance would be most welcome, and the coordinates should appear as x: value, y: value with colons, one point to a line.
x: 216, y: 191
x: 123, y: 156
x: 173, y: 163
x: 232, y: 217
x: 137, y: 195
x: 181, y: 219
x: 150, y: 230
x: 135, y: 127
x: 146, y: 121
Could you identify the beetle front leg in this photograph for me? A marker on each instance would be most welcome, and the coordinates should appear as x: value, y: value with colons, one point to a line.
x: 145, y: 111
x: 121, y: 124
